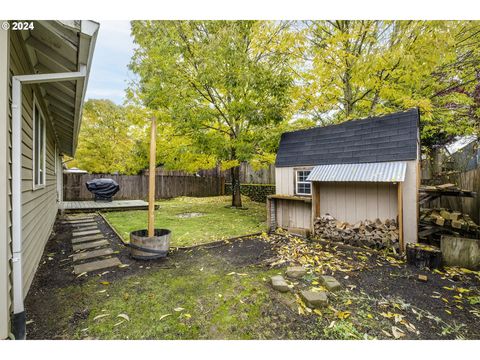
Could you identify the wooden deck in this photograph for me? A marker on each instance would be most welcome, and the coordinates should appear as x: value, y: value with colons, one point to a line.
x: 91, y: 206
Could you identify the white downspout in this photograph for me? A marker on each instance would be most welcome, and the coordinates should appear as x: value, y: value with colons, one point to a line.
x: 19, y: 319
x: 17, y: 274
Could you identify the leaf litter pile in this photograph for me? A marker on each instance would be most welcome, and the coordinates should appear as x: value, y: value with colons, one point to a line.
x: 382, y: 292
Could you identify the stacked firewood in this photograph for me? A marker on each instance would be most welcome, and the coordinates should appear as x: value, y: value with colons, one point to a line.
x: 375, y: 234
x: 449, y: 219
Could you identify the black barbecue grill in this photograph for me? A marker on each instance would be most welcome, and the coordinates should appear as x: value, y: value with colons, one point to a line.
x: 103, y: 189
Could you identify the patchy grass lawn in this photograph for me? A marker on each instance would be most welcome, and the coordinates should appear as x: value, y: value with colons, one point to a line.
x: 212, y: 219
x: 223, y: 291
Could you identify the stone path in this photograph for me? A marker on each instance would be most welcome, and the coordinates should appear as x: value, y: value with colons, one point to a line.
x: 92, y: 249
x: 313, y: 298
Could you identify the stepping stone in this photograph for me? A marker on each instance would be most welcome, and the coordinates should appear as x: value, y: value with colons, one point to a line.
x: 88, y: 238
x: 96, y: 265
x: 295, y: 272
x: 83, y: 224
x: 330, y: 283
x: 86, y: 228
x: 84, y: 233
x: 279, y: 283
x: 92, y: 254
x: 79, y: 221
x: 90, y: 245
x: 314, y: 299
x: 78, y: 218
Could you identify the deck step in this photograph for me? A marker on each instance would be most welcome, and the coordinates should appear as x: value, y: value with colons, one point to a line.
x: 92, y: 254
x: 88, y: 238
x: 85, y: 233
x: 96, y: 265
x: 90, y: 245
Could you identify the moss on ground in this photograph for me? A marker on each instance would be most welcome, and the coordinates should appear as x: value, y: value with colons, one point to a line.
x: 217, y: 220
x: 203, y: 301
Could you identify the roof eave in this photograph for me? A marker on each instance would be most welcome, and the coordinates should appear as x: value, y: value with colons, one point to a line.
x: 88, y: 37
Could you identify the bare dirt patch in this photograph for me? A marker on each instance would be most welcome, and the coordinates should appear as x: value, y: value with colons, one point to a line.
x: 189, y: 215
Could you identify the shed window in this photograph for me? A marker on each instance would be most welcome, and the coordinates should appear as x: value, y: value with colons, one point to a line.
x: 39, y: 147
x: 302, y: 186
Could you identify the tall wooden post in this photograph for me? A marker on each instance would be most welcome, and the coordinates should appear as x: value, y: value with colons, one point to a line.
x: 400, y: 216
x: 152, y: 173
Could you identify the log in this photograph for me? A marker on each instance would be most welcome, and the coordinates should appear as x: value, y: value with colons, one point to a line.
x: 424, y: 256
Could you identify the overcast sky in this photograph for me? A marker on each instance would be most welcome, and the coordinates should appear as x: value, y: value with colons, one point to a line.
x: 109, y: 74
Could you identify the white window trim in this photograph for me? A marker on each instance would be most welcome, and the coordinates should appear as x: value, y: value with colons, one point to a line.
x: 302, y: 182
x: 34, y: 177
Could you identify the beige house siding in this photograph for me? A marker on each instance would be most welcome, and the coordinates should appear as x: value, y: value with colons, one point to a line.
x: 285, y: 179
x: 39, y: 207
x: 353, y: 202
x: 5, y: 284
x: 290, y: 213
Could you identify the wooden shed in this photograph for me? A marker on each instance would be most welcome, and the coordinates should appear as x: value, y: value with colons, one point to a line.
x: 359, y: 170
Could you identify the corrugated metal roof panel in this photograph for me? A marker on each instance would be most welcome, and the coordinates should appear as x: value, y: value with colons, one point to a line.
x: 370, y: 172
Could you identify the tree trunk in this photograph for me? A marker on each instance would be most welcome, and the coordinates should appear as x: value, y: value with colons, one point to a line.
x: 236, y: 197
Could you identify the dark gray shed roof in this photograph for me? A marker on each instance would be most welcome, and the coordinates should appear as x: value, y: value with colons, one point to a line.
x: 390, y: 137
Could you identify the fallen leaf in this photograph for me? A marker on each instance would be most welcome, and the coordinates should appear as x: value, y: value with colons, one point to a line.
x: 164, y: 316
x: 387, y: 333
x: 398, y: 318
x: 102, y: 291
x: 397, y: 333
x: 124, y: 316
x: 343, y: 314
x: 232, y: 273
x: 119, y: 323
x: 82, y: 274
x: 318, y: 312
x: 105, y: 282
x: 100, y: 316
x: 188, y: 316
x: 179, y: 309
x: 123, y: 265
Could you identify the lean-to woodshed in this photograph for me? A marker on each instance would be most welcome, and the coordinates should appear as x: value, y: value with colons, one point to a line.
x: 357, y: 171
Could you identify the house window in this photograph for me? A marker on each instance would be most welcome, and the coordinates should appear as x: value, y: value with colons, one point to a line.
x: 302, y: 186
x: 38, y: 147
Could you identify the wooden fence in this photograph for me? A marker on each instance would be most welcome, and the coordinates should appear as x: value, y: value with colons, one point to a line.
x: 134, y: 187
x: 250, y: 176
